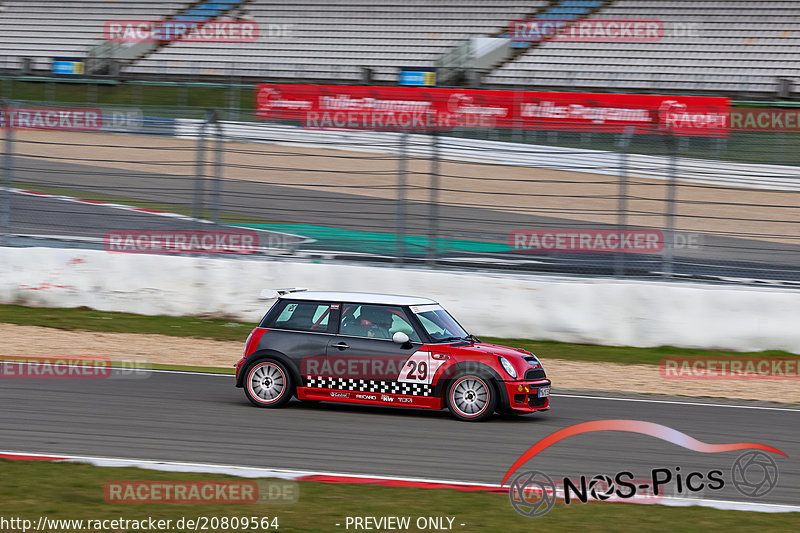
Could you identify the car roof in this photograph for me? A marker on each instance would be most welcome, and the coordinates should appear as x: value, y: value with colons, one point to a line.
x: 358, y: 298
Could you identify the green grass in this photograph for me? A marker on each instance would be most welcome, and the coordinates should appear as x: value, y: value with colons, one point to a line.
x: 133, y: 94
x: 620, y: 354
x: 83, y: 318
x: 74, y: 491
x: 189, y: 368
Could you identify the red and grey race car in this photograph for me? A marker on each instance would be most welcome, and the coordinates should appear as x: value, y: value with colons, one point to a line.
x: 381, y: 349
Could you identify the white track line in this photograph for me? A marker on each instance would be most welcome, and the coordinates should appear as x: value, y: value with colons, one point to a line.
x: 288, y: 474
x: 112, y: 368
x: 587, y: 397
x: 699, y: 404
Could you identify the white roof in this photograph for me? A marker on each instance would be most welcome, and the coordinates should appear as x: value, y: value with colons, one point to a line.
x: 358, y: 298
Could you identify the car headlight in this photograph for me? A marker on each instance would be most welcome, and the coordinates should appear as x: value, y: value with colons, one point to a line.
x: 507, y: 366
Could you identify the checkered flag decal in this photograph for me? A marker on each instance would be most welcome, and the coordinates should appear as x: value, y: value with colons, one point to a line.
x: 370, y: 385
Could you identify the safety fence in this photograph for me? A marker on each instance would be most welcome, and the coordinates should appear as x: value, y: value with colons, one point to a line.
x: 623, y: 201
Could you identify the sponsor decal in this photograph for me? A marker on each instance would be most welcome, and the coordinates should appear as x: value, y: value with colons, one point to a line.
x: 365, y: 396
x: 340, y: 394
x: 420, y: 108
x: 181, y: 242
x: 161, y: 31
x: 729, y: 368
x: 52, y: 118
x: 589, y: 30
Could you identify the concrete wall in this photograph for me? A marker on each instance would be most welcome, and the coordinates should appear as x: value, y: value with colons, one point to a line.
x: 596, y: 311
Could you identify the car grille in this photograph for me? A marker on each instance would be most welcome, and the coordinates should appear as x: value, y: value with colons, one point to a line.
x: 535, y: 373
x: 535, y: 401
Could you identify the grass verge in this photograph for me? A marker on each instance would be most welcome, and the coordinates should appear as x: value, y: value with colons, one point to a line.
x: 85, y: 319
x: 75, y: 491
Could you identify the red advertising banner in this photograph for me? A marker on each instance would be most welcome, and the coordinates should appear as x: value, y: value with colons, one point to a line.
x: 421, y: 109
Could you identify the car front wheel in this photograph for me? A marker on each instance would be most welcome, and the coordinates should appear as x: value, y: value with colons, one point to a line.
x: 268, y: 384
x: 471, y: 398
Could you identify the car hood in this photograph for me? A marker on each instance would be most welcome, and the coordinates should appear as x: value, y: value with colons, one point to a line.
x: 494, y: 349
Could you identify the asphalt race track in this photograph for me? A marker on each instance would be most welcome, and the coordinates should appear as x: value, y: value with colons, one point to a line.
x: 203, y: 418
x: 719, y: 256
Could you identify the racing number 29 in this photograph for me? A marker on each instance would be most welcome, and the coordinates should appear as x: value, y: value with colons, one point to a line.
x: 420, y: 368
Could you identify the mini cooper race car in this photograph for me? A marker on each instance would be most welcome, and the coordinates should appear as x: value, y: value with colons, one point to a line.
x: 380, y: 349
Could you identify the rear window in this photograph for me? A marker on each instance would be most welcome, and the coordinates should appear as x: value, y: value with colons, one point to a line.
x: 301, y: 316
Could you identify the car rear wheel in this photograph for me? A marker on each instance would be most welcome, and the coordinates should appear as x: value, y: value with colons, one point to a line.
x: 268, y: 384
x: 471, y: 398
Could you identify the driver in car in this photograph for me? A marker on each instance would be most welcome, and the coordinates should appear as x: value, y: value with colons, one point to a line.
x: 376, y: 322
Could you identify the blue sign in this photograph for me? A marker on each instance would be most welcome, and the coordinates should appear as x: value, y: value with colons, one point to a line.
x: 421, y: 77
x: 68, y: 66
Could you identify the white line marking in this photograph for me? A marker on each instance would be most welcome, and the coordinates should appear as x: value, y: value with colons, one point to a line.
x: 255, y: 472
x: 243, y: 471
x: 147, y: 211
x: 119, y: 368
x: 699, y: 404
x: 587, y: 397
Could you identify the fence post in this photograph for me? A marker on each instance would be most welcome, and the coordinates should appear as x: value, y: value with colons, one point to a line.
x: 622, y: 197
x: 672, y: 185
x: 401, y: 200
x: 216, y: 190
x: 433, y: 235
x: 198, y: 200
x: 8, y: 175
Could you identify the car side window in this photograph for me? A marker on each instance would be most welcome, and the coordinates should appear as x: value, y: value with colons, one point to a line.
x: 375, y: 321
x: 303, y: 316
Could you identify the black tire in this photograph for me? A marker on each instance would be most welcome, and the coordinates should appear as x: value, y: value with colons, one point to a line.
x: 471, y: 398
x: 268, y: 383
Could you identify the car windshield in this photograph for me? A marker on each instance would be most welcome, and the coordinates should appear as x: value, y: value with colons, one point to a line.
x: 438, y: 323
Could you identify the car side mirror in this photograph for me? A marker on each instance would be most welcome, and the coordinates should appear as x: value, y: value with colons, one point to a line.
x: 400, y: 338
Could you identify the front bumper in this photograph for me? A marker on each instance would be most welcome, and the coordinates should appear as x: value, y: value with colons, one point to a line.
x: 523, y: 396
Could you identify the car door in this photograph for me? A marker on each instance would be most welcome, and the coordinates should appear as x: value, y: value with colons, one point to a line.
x: 363, y: 358
x: 301, y: 330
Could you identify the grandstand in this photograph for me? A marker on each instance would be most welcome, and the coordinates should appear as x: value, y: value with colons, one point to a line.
x: 721, y: 46
x: 737, y: 46
x: 41, y: 30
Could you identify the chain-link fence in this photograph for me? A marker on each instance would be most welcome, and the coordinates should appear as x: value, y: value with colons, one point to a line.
x: 628, y: 202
